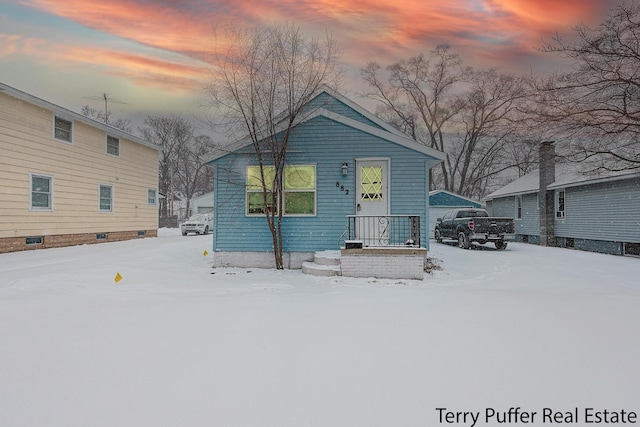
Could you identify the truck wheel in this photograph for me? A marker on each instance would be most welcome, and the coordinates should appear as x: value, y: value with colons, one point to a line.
x: 501, y: 245
x: 463, y: 241
x: 437, y: 236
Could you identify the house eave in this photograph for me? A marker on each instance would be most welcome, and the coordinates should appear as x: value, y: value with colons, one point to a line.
x: 591, y: 181
x: 321, y: 112
x: 68, y: 114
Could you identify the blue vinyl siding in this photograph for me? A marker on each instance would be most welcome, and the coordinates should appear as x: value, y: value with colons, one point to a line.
x: 529, y: 224
x: 504, y: 206
x: 326, y: 144
x: 326, y: 101
x: 606, y: 211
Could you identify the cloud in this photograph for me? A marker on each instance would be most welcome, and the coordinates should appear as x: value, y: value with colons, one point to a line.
x: 9, y: 44
x: 486, y: 32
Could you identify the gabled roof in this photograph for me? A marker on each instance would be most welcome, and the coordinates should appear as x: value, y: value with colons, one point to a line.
x: 386, y: 131
x: 565, y: 177
x: 449, y: 196
x: 68, y: 114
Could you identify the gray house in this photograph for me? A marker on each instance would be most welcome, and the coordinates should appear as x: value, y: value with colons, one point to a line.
x: 557, y: 206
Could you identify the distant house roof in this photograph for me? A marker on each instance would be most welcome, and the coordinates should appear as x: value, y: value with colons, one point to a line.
x: 449, y: 199
x: 566, y: 176
x: 61, y: 111
x: 206, y: 197
x: 384, y: 131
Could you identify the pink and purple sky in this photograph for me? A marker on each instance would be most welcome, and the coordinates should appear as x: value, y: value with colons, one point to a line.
x: 148, y: 54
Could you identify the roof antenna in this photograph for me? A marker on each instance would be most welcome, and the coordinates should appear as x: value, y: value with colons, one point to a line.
x: 107, y: 99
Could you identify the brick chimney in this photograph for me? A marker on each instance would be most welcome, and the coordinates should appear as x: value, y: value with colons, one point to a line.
x: 547, y: 169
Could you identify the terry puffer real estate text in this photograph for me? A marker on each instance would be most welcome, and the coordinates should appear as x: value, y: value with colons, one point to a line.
x: 518, y: 415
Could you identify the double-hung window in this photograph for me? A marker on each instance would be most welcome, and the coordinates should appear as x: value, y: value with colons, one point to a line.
x: 106, y: 198
x: 63, y: 129
x: 151, y: 196
x: 41, y: 192
x: 518, y: 207
x: 560, y: 204
x: 113, y: 145
x: 255, y: 197
x: 299, y: 188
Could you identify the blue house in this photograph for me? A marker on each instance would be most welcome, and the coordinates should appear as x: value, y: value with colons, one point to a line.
x: 441, y: 201
x: 558, y: 205
x: 344, y: 165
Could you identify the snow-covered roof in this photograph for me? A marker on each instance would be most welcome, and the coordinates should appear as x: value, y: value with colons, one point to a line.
x: 566, y: 176
x: 450, y: 197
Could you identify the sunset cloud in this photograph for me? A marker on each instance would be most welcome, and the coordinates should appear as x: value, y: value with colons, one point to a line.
x: 486, y: 28
x: 163, y: 44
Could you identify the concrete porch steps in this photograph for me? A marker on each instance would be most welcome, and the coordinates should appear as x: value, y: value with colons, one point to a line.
x: 325, y: 263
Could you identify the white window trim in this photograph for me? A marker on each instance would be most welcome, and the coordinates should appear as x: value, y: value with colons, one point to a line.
x: 53, y: 129
x: 51, y: 191
x: 315, y: 192
x: 100, y: 210
x: 107, y: 145
x: 518, y: 198
x: 557, y: 204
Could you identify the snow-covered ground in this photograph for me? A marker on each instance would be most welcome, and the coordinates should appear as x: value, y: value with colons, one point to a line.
x: 177, y: 343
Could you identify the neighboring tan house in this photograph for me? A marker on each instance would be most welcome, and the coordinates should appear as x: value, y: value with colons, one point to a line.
x: 67, y: 180
x: 442, y: 201
x: 349, y: 176
x: 558, y: 206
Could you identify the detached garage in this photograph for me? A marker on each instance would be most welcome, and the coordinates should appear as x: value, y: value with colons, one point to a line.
x: 441, y: 201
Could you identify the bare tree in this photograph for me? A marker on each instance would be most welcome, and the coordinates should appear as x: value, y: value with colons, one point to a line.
x: 120, y: 123
x: 192, y: 173
x: 171, y: 134
x: 260, y: 87
x: 489, y: 123
x: 471, y: 116
x: 597, y: 104
x: 417, y: 96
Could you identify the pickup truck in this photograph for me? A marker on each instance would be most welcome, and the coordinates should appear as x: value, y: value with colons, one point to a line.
x: 474, y: 225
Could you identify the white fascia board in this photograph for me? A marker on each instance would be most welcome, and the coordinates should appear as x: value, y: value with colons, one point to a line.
x: 401, y: 139
x: 594, y: 180
x: 68, y: 114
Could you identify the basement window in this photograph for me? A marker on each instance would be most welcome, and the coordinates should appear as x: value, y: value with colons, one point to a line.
x: 101, y: 236
x: 34, y: 240
x: 632, y: 249
x: 141, y: 233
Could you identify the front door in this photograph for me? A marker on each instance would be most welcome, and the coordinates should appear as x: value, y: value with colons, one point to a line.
x: 372, y: 201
